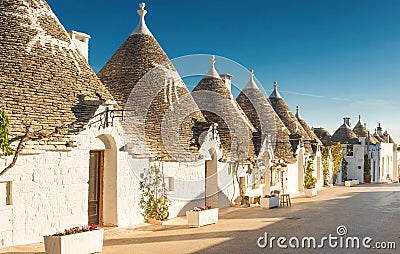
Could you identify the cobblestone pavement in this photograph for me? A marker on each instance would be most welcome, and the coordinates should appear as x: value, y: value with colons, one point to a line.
x: 366, y: 211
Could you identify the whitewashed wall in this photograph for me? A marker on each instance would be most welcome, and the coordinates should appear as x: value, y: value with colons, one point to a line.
x: 355, y: 166
x: 50, y: 190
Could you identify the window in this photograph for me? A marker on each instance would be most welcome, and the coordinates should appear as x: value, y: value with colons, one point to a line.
x: 5, y: 193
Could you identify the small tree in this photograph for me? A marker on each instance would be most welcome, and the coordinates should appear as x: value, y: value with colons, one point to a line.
x: 309, y: 179
x: 344, y: 169
x: 337, y: 156
x: 154, y: 200
x: 325, y: 163
x: 367, y: 166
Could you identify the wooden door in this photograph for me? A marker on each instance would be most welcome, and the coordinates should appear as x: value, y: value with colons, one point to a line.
x: 96, y: 164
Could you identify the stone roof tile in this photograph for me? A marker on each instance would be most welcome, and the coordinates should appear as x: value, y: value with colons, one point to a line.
x: 44, y: 80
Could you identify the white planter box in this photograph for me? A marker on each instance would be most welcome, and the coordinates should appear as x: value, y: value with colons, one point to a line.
x: 3, y: 194
x: 355, y: 182
x: 201, y: 218
x: 310, y: 192
x: 269, y: 202
x: 348, y: 183
x: 81, y: 243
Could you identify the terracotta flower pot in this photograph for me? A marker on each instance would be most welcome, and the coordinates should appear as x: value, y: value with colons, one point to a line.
x: 367, y: 179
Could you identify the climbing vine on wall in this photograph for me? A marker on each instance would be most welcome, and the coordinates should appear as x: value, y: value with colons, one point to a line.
x: 154, y: 200
x: 4, y: 134
x: 344, y: 169
x: 325, y: 163
x: 337, y: 156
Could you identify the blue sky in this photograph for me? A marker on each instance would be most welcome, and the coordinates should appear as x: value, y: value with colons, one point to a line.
x: 333, y: 58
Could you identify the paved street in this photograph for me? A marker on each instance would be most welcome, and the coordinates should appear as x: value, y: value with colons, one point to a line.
x: 366, y: 211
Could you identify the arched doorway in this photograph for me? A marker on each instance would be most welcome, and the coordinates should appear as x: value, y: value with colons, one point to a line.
x: 102, y: 195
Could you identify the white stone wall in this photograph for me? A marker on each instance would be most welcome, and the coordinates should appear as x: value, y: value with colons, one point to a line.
x: 292, y: 175
x: 50, y: 190
x: 385, y: 162
x: 355, y: 166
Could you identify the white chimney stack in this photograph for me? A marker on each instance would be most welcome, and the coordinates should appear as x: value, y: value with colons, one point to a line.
x: 81, y: 40
x: 227, y: 78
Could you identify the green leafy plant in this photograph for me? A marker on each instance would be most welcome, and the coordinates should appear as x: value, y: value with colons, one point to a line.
x: 367, y: 166
x: 337, y: 156
x: 344, y: 169
x: 309, y: 180
x: 325, y: 152
x: 154, y: 200
x: 4, y: 134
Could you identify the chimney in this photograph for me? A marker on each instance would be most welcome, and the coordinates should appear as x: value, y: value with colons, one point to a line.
x: 81, y: 41
x: 227, y: 78
x: 379, y: 129
x: 347, y: 121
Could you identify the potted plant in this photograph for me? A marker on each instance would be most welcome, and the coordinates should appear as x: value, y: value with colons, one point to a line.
x: 201, y: 216
x: 76, y: 240
x: 348, y: 183
x: 154, y: 200
x: 269, y: 201
x: 309, y: 180
x: 367, y: 169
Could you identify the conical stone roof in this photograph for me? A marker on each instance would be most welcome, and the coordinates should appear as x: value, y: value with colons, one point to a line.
x: 288, y: 118
x: 379, y: 138
x: 218, y: 106
x: 267, y: 123
x: 323, y: 135
x: 360, y: 130
x: 388, y: 138
x: 306, y: 127
x: 45, y: 82
x: 344, y: 134
x: 141, y: 78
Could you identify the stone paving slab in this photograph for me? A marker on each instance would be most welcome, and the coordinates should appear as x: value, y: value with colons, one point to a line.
x: 367, y: 210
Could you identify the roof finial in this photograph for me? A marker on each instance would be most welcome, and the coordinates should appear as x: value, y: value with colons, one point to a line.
x: 359, y: 118
x: 251, y: 84
x: 298, y: 116
x: 212, y: 72
x: 275, y: 93
x: 212, y: 61
x: 142, y: 28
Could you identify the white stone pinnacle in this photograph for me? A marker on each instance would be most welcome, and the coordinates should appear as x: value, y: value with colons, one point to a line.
x: 212, y: 72
x: 275, y: 93
x: 298, y: 116
x: 251, y: 84
x: 142, y: 27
